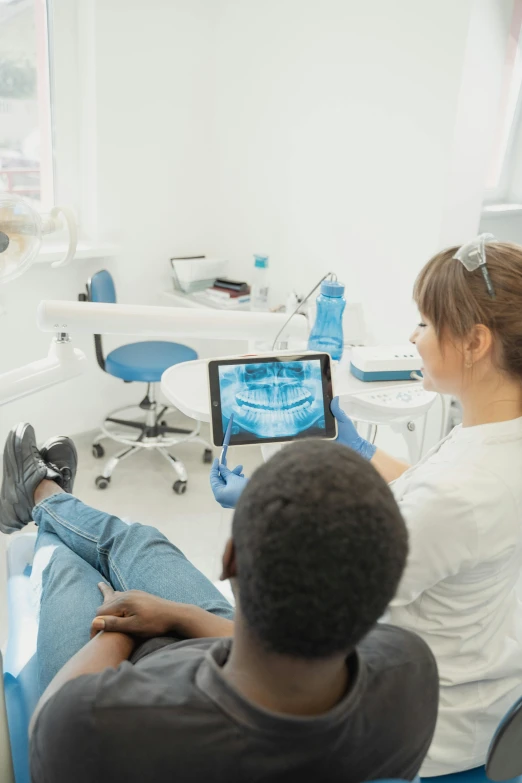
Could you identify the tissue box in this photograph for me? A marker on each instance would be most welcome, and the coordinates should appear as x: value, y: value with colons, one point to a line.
x: 196, y: 273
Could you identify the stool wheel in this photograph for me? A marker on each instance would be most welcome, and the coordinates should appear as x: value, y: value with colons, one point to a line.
x: 97, y: 450
x: 207, y: 456
x: 179, y: 487
x: 102, y: 482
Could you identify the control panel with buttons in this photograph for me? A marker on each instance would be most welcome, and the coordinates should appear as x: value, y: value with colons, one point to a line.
x: 381, y: 405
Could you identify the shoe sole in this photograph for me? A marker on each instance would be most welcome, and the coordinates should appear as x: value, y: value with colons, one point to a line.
x: 13, y: 485
x: 73, y: 465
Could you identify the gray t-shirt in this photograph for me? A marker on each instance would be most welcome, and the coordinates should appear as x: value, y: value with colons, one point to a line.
x: 172, y: 716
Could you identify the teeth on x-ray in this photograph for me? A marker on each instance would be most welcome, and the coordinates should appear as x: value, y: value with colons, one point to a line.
x: 273, y: 399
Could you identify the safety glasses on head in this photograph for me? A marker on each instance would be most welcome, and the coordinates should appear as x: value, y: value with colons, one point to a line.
x: 473, y: 256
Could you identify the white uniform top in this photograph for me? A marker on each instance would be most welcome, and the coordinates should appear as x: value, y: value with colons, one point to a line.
x: 461, y: 591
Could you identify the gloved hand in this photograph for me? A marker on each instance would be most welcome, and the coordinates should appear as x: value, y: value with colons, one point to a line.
x: 227, y: 485
x: 348, y: 435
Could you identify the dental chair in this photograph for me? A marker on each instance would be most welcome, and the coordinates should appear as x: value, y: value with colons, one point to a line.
x: 142, y: 362
x: 20, y: 671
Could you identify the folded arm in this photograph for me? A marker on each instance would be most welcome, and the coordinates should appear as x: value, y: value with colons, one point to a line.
x: 143, y: 615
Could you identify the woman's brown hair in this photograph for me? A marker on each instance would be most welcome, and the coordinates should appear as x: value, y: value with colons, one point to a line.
x: 454, y: 300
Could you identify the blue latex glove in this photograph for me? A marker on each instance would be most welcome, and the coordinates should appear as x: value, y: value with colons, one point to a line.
x: 227, y: 485
x: 348, y: 435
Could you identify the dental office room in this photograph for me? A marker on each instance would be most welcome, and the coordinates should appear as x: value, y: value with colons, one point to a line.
x: 260, y: 390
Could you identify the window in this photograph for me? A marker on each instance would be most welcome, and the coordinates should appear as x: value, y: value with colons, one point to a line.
x: 510, y: 111
x: 26, y: 159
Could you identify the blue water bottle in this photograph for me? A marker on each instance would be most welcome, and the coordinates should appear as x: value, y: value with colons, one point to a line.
x: 327, y: 332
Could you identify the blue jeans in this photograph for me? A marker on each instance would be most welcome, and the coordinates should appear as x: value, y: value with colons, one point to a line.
x: 88, y: 546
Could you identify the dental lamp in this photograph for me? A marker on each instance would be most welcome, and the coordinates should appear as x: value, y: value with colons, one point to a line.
x: 21, y: 231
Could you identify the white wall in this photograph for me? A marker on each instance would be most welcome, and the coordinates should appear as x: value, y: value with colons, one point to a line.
x: 516, y: 180
x: 476, y: 121
x: 336, y: 146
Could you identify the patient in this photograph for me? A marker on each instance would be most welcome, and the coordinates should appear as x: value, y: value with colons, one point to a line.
x: 308, y: 688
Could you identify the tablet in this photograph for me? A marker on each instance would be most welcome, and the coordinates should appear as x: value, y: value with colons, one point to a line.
x: 273, y: 398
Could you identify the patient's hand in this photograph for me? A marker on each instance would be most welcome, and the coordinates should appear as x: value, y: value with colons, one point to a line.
x: 136, y: 613
x: 140, y: 614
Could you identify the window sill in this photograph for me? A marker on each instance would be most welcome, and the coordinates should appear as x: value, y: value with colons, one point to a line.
x: 501, y: 210
x: 85, y: 250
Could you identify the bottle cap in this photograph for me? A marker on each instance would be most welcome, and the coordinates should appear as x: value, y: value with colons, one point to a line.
x: 332, y: 288
x: 261, y: 261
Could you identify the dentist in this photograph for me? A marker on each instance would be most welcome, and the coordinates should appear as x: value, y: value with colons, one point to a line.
x: 462, y: 502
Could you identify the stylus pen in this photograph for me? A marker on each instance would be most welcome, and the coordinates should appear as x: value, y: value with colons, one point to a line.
x: 226, y: 441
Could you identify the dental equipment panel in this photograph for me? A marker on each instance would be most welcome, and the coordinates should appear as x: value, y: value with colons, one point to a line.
x: 273, y: 398
x: 385, y: 363
x: 380, y: 406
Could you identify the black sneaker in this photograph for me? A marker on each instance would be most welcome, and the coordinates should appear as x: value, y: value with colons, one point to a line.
x: 23, y: 470
x: 61, y: 455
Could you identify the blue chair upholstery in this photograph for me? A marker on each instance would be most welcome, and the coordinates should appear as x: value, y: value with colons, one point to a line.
x: 477, y: 775
x: 146, y: 361
x: 101, y: 288
x: 20, y: 663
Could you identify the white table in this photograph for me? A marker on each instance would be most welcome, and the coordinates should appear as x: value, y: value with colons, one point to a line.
x: 186, y: 387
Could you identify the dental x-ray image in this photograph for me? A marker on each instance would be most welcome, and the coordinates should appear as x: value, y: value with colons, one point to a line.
x: 275, y: 399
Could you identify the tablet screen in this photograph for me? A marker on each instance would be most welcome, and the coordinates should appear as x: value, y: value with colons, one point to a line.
x: 272, y: 398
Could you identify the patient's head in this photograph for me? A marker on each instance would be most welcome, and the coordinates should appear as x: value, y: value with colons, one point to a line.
x: 320, y: 546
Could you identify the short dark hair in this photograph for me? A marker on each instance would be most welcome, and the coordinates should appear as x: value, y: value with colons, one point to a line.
x: 320, y: 548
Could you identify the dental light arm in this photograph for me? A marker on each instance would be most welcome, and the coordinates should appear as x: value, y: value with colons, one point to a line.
x: 63, y: 362
x: 145, y: 320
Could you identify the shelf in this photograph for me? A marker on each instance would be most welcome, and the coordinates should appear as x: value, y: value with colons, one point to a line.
x: 501, y: 210
x: 84, y: 251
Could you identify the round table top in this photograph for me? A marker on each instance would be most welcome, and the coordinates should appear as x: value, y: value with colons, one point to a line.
x: 185, y: 386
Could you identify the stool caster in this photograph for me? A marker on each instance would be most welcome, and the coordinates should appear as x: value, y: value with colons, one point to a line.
x: 102, y: 482
x: 97, y: 450
x: 179, y: 487
x: 208, y: 456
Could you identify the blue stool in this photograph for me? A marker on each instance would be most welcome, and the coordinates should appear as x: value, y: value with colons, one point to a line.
x: 143, y: 362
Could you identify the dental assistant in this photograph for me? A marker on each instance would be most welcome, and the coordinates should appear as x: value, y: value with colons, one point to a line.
x: 461, y: 591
